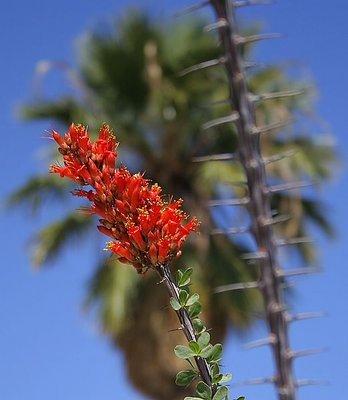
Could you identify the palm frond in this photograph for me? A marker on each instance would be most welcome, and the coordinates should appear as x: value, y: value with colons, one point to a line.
x: 51, y: 239
x: 38, y: 189
x: 112, y: 293
x: 63, y: 110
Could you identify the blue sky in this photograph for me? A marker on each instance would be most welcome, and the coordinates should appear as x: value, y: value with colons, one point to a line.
x: 48, y: 348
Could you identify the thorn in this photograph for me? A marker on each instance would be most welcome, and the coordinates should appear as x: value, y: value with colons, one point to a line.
x: 202, y: 65
x: 306, y: 352
x: 279, y: 157
x: 277, y: 95
x: 220, y: 121
x: 283, y: 390
x: 276, y: 308
x: 255, y: 381
x: 234, y: 183
x: 221, y: 23
x: 229, y: 202
x: 275, y: 220
x: 257, y: 255
x: 216, y: 103
x: 250, y: 64
x: 271, y: 127
x: 244, y: 3
x: 306, y: 315
x: 236, y: 286
x: 229, y: 231
x: 286, y: 285
x: 297, y: 271
x: 216, y: 157
x: 261, y: 342
x: 288, y: 186
x: 176, y: 329
x: 258, y: 37
x: 294, y: 241
x: 192, y: 8
x: 306, y: 382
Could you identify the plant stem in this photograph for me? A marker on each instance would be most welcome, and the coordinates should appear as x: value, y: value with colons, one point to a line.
x: 259, y: 206
x: 185, y: 321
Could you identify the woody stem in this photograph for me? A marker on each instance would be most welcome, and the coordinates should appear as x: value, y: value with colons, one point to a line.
x: 185, y: 321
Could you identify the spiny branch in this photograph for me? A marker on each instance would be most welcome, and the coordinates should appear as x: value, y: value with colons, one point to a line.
x: 242, y: 105
x: 185, y: 321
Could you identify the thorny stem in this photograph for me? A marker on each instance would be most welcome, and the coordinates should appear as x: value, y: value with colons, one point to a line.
x: 259, y: 206
x: 185, y: 321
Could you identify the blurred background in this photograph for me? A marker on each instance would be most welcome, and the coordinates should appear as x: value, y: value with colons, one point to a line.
x: 71, y: 326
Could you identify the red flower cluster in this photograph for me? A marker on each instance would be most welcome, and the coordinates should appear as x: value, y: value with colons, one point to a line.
x: 146, y: 230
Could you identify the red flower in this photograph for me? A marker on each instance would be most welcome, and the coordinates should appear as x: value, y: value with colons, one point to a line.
x: 145, y: 229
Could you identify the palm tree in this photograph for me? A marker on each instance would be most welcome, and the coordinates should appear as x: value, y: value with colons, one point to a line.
x: 128, y: 76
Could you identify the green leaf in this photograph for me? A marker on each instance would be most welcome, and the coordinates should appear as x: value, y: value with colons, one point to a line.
x: 203, y: 340
x: 178, y: 276
x: 192, y: 299
x: 221, y: 393
x: 184, y: 378
x: 215, y: 373
x: 194, y: 309
x: 194, y: 346
x: 175, y: 304
x: 206, y: 352
x: 183, y: 296
x: 198, y: 326
x: 204, y: 391
x: 215, y: 370
x: 216, y: 378
x: 225, y: 378
x: 241, y: 398
x: 183, y: 352
x: 216, y: 352
x: 193, y: 398
x: 185, y: 277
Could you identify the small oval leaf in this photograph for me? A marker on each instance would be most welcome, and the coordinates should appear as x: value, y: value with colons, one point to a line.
x: 192, y: 299
x: 221, y: 393
x: 194, y: 309
x: 203, y: 340
x: 216, y: 378
x: 198, y: 326
x: 183, y: 296
x: 206, y: 352
x: 185, y: 277
x: 184, y: 378
x: 183, y: 352
x: 194, y: 346
x: 175, y: 304
x: 216, y: 352
x: 215, y: 370
x: 193, y: 398
x: 178, y: 276
x: 225, y: 378
x: 203, y: 391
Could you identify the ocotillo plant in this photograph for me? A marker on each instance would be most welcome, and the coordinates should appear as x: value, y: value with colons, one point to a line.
x: 146, y: 231
x: 259, y: 192
x: 158, y: 115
